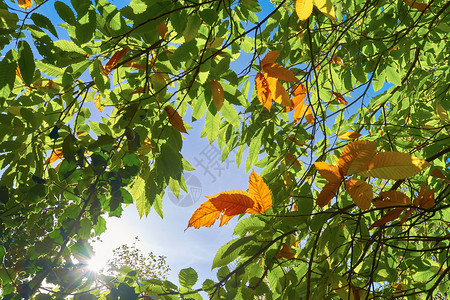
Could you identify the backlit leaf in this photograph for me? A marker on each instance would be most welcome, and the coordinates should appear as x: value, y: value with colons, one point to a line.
x: 175, y: 119
x: 391, y: 198
x: 206, y: 215
x: 360, y: 191
x: 24, y: 4
x: 356, y: 156
x: 162, y: 30
x: 278, y: 92
x: 112, y: 62
x: 388, y: 217
x: 277, y: 71
x: 326, y: 7
x: 350, y: 135
x: 232, y: 203
x: 98, y: 101
x: 339, y: 98
x: 328, y: 192
x: 270, y: 58
x: 56, y: 154
x: 292, y: 159
x: 263, y: 91
x: 425, y: 199
x: 329, y: 172
x: 286, y: 252
x: 260, y: 193
x: 438, y: 174
x: 303, y: 8
x: 217, y: 94
x: 337, y: 60
x: 415, y: 4
x: 394, y: 165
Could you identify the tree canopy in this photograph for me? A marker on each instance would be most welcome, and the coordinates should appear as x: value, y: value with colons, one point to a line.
x: 342, y: 105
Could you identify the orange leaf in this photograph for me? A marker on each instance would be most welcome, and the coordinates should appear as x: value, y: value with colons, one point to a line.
x: 388, y: 217
x: 175, y: 119
x: 308, y: 115
x: 206, y: 215
x: 329, y: 172
x: 337, y: 60
x: 328, y: 192
x: 24, y: 4
x: 162, y: 30
x: 112, y: 62
x: 391, y: 198
x: 136, y: 66
x: 290, y: 157
x: 277, y: 71
x: 217, y: 94
x: 98, y: 102
x: 416, y: 5
x: 278, y: 92
x: 438, y: 174
x: 260, y: 193
x: 263, y: 91
x: 270, y: 58
x: 56, y: 154
x: 350, y: 135
x: 356, y: 156
x: 296, y: 101
x: 299, y: 89
x: 232, y: 203
x: 360, y: 191
x: 426, y: 199
x: 339, y: 98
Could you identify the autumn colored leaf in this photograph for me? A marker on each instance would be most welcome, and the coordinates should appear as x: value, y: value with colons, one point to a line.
x: 112, y: 62
x: 406, y: 216
x: 339, y: 98
x: 329, y: 172
x: 326, y: 7
x: 270, y: 58
x: 425, y: 199
x: 415, y: 4
x: 175, y: 119
x: 388, y: 217
x: 303, y: 8
x: 394, y: 165
x: 98, y: 101
x: 337, y: 61
x: 360, y: 191
x: 356, y: 156
x: 296, y: 101
x: 136, y: 66
x: 216, y: 43
x: 217, y: 94
x: 162, y: 30
x: 24, y: 4
x: 206, y: 215
x: 279, y: 94
x: 350, y: 135
x: 232, y: 203
x: 290, y: 157
x: 56, y: 154
x: 263, y: 91
x: 327, y: 193
x: 295, y: 141
x: 391, y: 198
x: 286, y: 252
x: 299, y: 89
x: 277, y: 71
x: 438, y: 174
x: 260, y: 193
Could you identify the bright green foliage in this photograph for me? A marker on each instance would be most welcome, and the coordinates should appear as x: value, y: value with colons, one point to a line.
x: 296, y: 249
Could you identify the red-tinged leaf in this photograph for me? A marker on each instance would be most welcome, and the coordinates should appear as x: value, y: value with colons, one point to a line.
x: 438, y: 174
x: 388, y: 217
x: 350, y: 135
x: 260, y: 193
x: 328, y: 192
x: 356, y: 156
x: 277, y: 71
x: 24, y: 4
x: 406, y: 216
x: 98, y: 101
x: 417, y: 5
x: 206, y: 215
x: 360, y: 191
x: 303, y: 8
x: 425, y: 199
x: 339, y: 98
x: 141, y: 90
x: 263, y: 91
x: 391, y: 198
x: 270, y: 58
x: 56, y: 154
x: 217, y: 94
x: 286, y: 252
x: 329, y: 172
x: 112, y: 62
x: 337, y: 61
x: 295, y: 141
x: 278, y: 92
x: 175, y: 119
x: 290, y: 157
x: 106, y: 73
x: 224, y: 219
x: 232, y: 203
x: 136, y: 66
x: 162, y: 30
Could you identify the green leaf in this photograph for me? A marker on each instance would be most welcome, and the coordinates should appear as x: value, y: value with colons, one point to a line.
x: 230, y: 251
x: 187, y: 277
x: 253, y: 151
x: 7, y: 19
x: 26, y: 62
x: 44, y: 22
x: 69, y: 46
x: 8, y: 68
x: 65, y: 12
x: 212, y: 126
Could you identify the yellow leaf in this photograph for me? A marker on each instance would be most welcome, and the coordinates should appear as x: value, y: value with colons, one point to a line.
x: 394, y: 165
x: 98, y: 102
x: 270, y: 58
x: 443, y: 115
x: 329, y: 172
x: 56, y: 154
x: 415, y: 4
x: 217, y: 94
x: 391, y: 198
x: 360, y: 191
x: 175, y: 119
x: 356, y: 156
x: 303, y: 8
x: 278, y: 92
x: 112, y: 62
x: 328, y: 192
x: 351, y: 135
x: 162, y: 30
x: 263, y: 91
x: 277, y: 71
x: 326, y: 7
x: 24, y: 4
x: 215, y: 43
x: 260, y: 193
